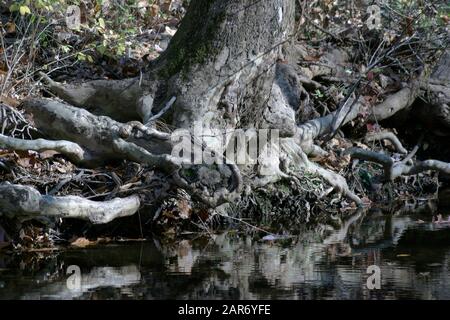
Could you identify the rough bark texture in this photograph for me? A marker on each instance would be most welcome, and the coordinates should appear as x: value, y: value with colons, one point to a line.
x: 435, y: 111
x: 26, y: 202
x: 222, y: 70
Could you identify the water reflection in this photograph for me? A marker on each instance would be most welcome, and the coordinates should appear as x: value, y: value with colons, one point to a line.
x: 326, y: 262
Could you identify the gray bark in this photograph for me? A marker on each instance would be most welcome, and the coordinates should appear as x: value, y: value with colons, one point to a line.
x: 27, y: 203
x: 435, y: 111
x: 222, y: 70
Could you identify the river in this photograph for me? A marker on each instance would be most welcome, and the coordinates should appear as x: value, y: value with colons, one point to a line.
x: 323, y: 262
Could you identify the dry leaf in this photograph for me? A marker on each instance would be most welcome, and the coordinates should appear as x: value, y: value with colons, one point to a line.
x: 165, y: 5
x: 10, y: 27
x: 184, y: 208
x: 154, y: 10
x: 61, y: 170
x: 82, y: 242
x: 47, y: 154
x: 27, y: 162
x: 311, y: 58
x: 9, y: 101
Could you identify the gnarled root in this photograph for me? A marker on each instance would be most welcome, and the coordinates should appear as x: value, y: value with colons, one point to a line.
x: 390, y: 136
x: 105, y: 140
x: 396, y: 102
x: 392, y: 169
x: 297, y: 159
x: 97, y: 135
x: 111, y: 98
x: 72, y: 150
x: 309, y: 131
x: 26, y: 202
x: 337, y: 181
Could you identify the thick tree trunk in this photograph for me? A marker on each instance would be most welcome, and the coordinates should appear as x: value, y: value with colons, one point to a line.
x: 221, y: 63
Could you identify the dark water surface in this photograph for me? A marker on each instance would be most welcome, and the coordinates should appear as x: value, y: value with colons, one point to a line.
x: 326, y: 262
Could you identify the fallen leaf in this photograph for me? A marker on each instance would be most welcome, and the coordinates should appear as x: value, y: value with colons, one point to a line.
x: 154, y: 10
x: 184, y: 209
x: 165, y: 6
x: 47, y: 154
x: 311, y: 58
x: 82, y: 243
x: 9, y: 101
x: 27, y: 162
x: 10, y: 27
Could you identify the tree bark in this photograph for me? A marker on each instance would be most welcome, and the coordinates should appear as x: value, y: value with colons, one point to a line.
x: 221, y: 63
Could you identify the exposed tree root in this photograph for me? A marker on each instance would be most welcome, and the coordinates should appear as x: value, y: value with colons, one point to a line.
x: 319, y: 127
x: 296, y: 162
x: 91, y: 140
x: 72, y: 150
x: 396, y: 102
x: 100, y: 139
x: 393, y: 170
x: 25, y: 202
x: 338, y: 182
x: 390, y: 136
x: 99, y: 136
x: 111, y: 98
x: 309, y: 131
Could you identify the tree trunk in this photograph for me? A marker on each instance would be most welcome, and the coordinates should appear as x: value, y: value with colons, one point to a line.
x: 220, y: 65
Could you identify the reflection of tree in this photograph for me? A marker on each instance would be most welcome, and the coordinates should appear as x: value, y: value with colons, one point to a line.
x: 326, y: 261
x: 99, y: 277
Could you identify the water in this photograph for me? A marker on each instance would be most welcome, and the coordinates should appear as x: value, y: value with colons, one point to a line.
x: 324, y: 262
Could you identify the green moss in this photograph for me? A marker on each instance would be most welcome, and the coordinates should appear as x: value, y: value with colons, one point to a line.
x: 194, y: 42
x: 283, y: 186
